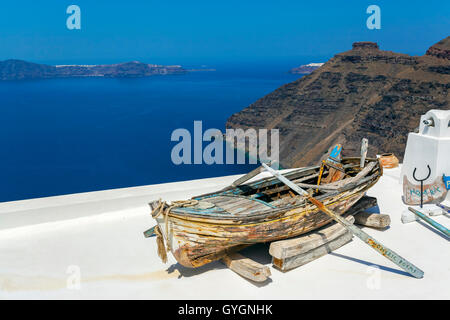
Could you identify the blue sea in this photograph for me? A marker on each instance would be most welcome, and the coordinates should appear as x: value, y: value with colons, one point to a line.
x: 62, y: 136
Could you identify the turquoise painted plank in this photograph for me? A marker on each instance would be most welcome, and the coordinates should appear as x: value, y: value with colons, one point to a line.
x: 430, y: 221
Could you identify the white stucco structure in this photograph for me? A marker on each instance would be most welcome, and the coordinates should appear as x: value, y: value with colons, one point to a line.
x: 429, y: 147
x: 48, y: 244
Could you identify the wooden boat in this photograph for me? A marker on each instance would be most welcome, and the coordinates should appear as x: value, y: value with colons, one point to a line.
x: 207, y: 227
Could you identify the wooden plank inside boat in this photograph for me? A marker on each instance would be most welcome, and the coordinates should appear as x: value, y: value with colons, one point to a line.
x: 236, y: 205
x: 227, y: 205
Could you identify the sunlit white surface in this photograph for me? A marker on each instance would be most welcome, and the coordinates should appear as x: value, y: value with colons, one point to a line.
x: 45, y: 244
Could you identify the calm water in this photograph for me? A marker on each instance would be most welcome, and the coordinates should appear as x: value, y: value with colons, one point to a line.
x: 77, y: 135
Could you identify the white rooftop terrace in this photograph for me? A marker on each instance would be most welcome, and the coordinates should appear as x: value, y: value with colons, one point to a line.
x: 44, y: 242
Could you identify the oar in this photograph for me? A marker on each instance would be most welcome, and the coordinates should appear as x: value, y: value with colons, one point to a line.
x: 245, y: 178
x: 391, y: 255
x: 430, y: 221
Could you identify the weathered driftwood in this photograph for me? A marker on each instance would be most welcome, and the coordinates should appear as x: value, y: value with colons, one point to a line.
x: 374, y: 220
x: 334, y: 175
x: 204, y: 229
x: 304, y: 258
x: 293, y: 247
x: 246, y: 267
x: 361, y: 174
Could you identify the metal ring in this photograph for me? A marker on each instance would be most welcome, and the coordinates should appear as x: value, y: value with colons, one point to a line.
x: 429, y: 173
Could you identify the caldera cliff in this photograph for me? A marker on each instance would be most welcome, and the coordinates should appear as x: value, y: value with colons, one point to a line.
x: 363, y: 92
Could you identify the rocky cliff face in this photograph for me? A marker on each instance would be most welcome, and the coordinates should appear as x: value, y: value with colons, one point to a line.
x: 364, y: 92
x: 440, y: 49
x: 20, y: 70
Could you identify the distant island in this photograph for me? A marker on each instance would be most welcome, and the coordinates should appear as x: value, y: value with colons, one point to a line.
x: 306, y: 68
x: 22, y: 70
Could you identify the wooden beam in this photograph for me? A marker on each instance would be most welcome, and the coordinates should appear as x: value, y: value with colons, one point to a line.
x: 296, y: 246
x: 301, y: 259
x: 374, y: 220
x: 246, y: 267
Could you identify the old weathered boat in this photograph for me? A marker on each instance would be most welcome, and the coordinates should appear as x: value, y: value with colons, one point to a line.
x: 207, y: 227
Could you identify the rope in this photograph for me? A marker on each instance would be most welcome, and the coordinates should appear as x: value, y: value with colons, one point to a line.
x: 160, y: 242
x: 162, y: 249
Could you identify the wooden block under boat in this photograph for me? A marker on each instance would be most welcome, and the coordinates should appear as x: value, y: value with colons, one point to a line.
x: 296, y: 246
x: 301, y: 259
x: 374, y: 220
x: 246, y: 267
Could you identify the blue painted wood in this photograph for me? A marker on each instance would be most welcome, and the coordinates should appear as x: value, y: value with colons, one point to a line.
x: 150, y: 232
x: 217, y: 210
x: 256, y: 195
x: 430, y: 221
x: 335, y: 154
x: 446, y: 181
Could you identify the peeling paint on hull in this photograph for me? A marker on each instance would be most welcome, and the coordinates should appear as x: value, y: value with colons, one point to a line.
x: 196, y: 240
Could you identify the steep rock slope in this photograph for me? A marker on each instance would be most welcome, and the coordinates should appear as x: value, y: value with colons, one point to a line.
x: 364, y: 92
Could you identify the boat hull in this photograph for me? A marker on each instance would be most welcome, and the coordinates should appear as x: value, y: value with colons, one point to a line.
x: 196, y: 243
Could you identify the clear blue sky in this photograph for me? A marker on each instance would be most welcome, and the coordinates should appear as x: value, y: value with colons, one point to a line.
x: 173, y: 31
